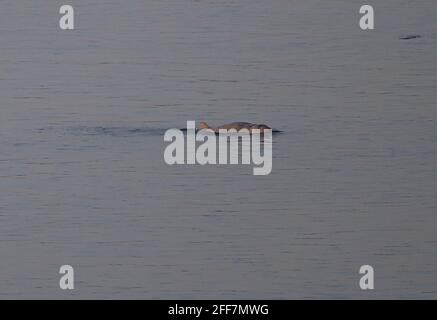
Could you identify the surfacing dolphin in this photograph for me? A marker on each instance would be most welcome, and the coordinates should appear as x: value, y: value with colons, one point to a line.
x: 235, y: 125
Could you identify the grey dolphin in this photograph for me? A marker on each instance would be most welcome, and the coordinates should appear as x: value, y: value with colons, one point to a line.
x: 235, y: 125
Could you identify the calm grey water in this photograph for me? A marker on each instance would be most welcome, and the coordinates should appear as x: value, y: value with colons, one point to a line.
x: 82, y: 176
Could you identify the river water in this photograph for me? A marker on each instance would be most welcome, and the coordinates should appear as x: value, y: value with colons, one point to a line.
x: 82, y: 176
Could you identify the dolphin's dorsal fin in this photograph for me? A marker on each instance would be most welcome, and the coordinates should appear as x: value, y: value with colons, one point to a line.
x: 204, y: 125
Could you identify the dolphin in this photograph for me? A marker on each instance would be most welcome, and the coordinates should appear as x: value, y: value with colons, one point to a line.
x: 235, y: 125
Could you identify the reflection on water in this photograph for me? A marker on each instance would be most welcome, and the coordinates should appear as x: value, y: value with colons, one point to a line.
x: 82, y: 175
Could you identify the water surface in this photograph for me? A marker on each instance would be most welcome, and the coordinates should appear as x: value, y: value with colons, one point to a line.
x: 82, y: 175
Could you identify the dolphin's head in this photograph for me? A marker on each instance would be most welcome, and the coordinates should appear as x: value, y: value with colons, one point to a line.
x: 260, y: 127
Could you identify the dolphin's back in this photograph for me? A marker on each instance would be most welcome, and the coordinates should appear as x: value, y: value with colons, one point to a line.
x: 235, y: 125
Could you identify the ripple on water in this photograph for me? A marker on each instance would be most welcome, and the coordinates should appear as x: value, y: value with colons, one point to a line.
x: 115, y: 131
